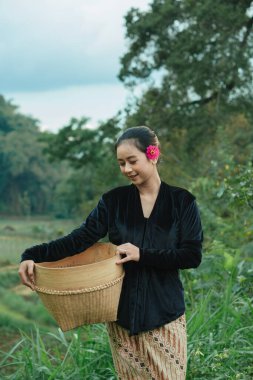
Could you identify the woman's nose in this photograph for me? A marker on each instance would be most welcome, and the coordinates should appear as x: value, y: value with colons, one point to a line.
x: 128, y: 168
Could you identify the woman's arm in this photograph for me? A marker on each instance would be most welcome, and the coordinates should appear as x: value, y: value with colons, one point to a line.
x: 189, y: 252
x: 94, y: 228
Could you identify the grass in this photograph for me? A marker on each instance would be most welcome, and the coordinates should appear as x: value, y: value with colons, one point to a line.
x: 220, y: 346
x: 18, y: 234
x: 221, y: 340
x: 219, y: 314
x: 11, y: 248
x: 19, y: 307
x: 84, y: 354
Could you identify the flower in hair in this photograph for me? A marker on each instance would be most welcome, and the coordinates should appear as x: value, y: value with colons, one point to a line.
x: 152, y: 152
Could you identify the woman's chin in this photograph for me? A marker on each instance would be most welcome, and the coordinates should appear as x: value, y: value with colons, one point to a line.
x: 133, y: 179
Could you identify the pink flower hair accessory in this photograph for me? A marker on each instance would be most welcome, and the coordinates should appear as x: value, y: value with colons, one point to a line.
x: 152, y: 152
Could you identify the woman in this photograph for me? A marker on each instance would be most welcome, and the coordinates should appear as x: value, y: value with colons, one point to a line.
x: 157, y: 230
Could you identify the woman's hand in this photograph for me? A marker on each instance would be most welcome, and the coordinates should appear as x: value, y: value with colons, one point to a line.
x: 26, y: 273
x: 129, y: 252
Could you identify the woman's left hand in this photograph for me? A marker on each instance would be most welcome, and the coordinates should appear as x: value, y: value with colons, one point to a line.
x: 129, y: 251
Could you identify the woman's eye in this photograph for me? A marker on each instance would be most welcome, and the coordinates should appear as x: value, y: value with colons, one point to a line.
x: 131, y: 163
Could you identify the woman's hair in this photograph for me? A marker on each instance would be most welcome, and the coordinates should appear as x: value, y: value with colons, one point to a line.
x: 142, y: 137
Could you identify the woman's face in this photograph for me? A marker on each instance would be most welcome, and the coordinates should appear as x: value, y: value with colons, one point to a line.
x: 134, y: 164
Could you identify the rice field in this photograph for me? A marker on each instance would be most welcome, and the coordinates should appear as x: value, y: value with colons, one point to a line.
x: 18, y: 234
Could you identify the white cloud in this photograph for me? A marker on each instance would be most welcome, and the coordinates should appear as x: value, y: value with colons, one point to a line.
x: 51, y: 44
x: 55, y: 108
x: 60, y: 59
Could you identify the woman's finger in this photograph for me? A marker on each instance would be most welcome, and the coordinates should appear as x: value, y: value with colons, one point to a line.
x: 124, y: 260
x: 31, y: 271
x: 26, y: 273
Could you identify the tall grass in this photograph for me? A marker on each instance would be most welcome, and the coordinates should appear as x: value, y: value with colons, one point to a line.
x: 220, y: 309
x: 219, y: 300
x: 220, y: 345
x: 221, y: 341
x: 84, y: 354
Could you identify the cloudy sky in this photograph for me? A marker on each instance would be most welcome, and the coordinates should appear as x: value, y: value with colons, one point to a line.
x: 60, y: 58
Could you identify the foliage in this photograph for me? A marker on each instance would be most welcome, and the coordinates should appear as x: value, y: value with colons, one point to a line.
x: 193, y: 63
x: 239, y: 185
x: 196, y: 92
x: 26, y: 178
x: 219, y: 308
x: 81, y: 145
x: 219, y: 295
x: 84, y: 354
x: 216, y: 331
x: 203, y: 49
x: 90, y: 152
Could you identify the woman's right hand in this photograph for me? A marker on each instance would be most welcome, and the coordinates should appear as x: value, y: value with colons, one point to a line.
x: 26, y: 273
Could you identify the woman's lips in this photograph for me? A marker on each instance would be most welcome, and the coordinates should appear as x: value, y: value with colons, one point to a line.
x: 132, y: 176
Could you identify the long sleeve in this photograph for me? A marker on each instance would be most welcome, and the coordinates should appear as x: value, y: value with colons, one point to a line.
x: 188, y: 252
x: 94, y: 228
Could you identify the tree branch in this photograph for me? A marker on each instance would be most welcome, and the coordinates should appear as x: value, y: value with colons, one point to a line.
x: 248, y: 30
x: 231, y: 84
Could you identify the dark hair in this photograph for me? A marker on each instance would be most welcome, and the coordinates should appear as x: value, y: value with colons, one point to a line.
x: 142, y: 137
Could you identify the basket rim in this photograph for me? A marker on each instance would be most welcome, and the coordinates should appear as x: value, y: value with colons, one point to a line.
x: 72, y: 266
x: 80, y: 290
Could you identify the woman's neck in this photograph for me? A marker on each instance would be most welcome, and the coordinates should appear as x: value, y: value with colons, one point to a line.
x: 151, y: 187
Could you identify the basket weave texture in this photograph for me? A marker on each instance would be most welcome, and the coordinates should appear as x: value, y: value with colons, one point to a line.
x: 81, y: 289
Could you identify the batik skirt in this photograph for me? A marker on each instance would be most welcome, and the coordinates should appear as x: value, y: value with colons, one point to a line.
x: 159, y: 354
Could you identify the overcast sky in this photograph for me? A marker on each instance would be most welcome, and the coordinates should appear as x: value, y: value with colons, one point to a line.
x: 60, y: 59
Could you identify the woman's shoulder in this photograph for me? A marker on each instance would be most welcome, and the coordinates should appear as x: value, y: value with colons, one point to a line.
x: 179, y: 193
x: 117, y: 191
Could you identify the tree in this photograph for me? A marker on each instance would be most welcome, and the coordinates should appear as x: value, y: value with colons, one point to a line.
x: 195, y: 58
x: 26, y: 177
x: 203, y: 47
x: 91, y: 155
x: 81, y: 145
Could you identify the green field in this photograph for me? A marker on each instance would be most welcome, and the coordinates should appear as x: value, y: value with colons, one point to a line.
x: 16, y: 234
x: 20, y: 308
x: 219, y: 313
x: 31, y: 345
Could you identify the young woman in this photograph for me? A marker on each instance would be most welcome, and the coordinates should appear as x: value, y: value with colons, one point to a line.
x: 157, y: 230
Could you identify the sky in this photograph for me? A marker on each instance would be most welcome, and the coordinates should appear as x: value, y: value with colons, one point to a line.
x: 60, y: 59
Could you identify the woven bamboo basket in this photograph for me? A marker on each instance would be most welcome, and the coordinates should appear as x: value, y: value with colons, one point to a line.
x: 81, y: 289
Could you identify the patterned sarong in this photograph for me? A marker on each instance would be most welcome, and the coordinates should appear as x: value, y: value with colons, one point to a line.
x: 159, y: 354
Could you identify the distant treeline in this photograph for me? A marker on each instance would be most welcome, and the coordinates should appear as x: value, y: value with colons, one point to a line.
x: 38, y: 174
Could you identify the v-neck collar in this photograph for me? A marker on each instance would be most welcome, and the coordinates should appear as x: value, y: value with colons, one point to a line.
x: 140, y: 209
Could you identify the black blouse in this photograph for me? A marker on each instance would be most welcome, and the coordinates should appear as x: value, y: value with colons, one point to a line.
x: 170, y: 239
